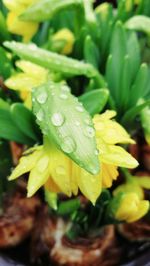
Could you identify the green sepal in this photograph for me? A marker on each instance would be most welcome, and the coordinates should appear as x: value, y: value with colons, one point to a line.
x: 65, y: 122
x: 51, y: 199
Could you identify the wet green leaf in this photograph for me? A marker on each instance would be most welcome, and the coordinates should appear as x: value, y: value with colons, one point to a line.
x: 65, y: 121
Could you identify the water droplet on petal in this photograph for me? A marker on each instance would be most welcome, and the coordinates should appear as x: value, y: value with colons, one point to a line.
x: 90, y: 132
x: 63, y: 96
x: 60, y: 170
x: 57, y: 119
x: 79, y: 108
x: 42, y: 97
x: 43, y: 164
x: 40, y: 115
x: 68, y: 145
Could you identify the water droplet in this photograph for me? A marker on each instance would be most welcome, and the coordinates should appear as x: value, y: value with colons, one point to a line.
x: 79, y: 108
x: 33, y: 47
x: 65, y: 88
x: 77, y: 123
x: 43, y: 164
x: 40, y: 115
x: 87, y: 121
x: 60, y: 170
x: 42, y: 97
x: 57, y: 119
x: 90, y: 132
x: 68, y: 145
x: 63, y: 96
x: 96, y: 152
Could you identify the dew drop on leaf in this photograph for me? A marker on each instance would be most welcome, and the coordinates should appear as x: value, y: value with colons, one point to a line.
x: 68, y: 145
x: 63, y: 96
x: 42, y: 97
x: 90, y: 132
x: 57, y: 119
x: 79, y: 108
x: 40, y: 115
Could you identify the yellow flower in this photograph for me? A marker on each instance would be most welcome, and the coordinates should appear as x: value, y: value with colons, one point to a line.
x: 32, y: 76
x: 131, y: 208
x: 67, y: 37
x: 47, y: 165
x: 15, y: 25
x: 135, y: 184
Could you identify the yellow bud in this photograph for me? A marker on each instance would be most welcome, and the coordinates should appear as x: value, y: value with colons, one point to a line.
x: 66, y: 36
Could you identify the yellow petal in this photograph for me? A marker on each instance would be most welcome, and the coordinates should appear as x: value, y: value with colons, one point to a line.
x: 51, y: 186
x: 60, y: 168
x: 130, y: 187
x: 116, y: 155
x: 38, y: 175
x: 109, y: 173
x: 16, y: 26
x: 89, y: 185
x: 33, y: 70
x: 143, y: 208
x: 75, y: 172
x: 67, y: 36
x: 108, y: 114
x: 26, y: 163
x: 21, y: 82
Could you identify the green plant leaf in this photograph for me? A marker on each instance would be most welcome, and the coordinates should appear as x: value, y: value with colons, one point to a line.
x: 139, y: 23
x: 68, y: 207
x: 5, y: 65
x: 51, y: 60
x: 91, y: 52
x: 130, y: 115
x: 114, y: 67
x: 4, y: 34
x: 145, y: 121
x: 140, y: 85
x: 64, y: 120
x: 24, y: 120
x: 94, y: 101
x: 46, y: 9
x: 8, y: 128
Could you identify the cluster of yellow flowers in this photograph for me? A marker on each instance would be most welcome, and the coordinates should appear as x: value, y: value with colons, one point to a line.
x: 47, y: 165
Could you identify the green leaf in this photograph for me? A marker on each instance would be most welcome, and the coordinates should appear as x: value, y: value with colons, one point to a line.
x: 4, y: 34
x: 131, y: 114
x: 91, y: 52
x: 51, y: 60
x: 94, y: 101
x: 24, y: 120
x: 64, y: 120
x: 145, y: 120
x: 139, y: 23
x: 134, y: 53
x: 5, y: 66
x: 46, y: 9
x: 8, y: 128
x: 68, y: 207
x: 140, y: 85
x: 118, y: 51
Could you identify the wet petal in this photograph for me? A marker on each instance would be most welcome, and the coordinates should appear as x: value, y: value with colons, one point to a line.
x: 26, y: 163
x: 38, y: 175
x: 90, y: 185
